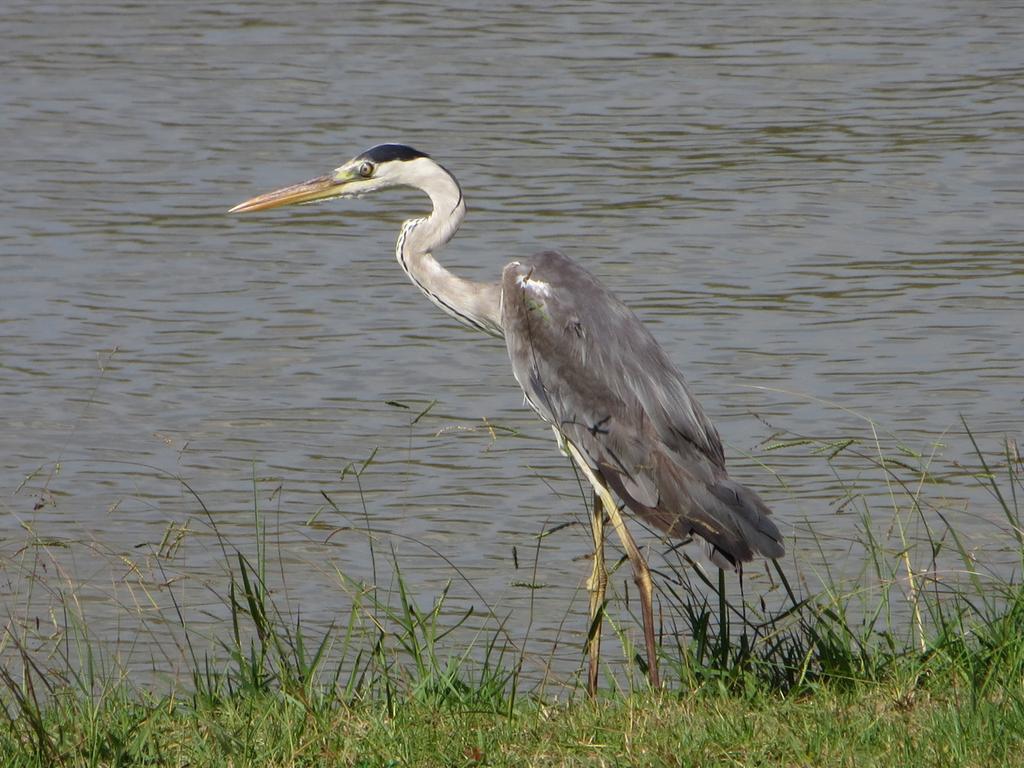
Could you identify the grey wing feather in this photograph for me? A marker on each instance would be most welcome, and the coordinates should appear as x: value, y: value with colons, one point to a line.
x: 590, y: 368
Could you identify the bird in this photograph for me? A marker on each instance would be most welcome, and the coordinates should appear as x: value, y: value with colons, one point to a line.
x: 591, y: 370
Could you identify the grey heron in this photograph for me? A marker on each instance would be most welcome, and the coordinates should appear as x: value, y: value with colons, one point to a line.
x: 589, y: 368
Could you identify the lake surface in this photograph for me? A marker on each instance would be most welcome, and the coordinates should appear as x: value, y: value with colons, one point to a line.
x: 818, y: 208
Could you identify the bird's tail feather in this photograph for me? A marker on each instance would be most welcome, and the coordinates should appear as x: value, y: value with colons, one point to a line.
x: 749, y: 517
x: 730, y: 517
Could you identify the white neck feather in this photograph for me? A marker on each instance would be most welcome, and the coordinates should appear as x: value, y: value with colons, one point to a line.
x: 476, y: 305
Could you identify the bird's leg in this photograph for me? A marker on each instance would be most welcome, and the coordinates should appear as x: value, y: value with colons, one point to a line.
x: 642, y: 577
x: 641, y: 572
x: 597, y: 583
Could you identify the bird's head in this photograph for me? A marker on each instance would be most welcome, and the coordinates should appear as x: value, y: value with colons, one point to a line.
x: 380, y: 167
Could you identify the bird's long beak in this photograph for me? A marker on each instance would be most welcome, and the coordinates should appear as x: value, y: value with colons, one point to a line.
x: 320, y: 188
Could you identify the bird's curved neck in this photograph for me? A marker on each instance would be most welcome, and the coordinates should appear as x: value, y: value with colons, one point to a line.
x: 474, y: 304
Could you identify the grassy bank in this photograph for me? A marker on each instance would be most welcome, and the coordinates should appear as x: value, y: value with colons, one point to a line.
x: 909, y: 664
x: 880, y: 724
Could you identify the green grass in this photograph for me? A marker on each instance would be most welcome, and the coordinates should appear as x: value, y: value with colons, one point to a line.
x: 881, y: 725
x: 905, y: 663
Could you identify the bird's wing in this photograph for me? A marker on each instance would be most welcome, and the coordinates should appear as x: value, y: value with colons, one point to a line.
x: 590, y: 368
x: 594, y: 342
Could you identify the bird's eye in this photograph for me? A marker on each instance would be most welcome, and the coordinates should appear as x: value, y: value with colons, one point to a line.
x: 366, y: 170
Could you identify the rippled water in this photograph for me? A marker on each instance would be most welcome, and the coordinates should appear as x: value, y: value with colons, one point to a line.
x: 823, y: 200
